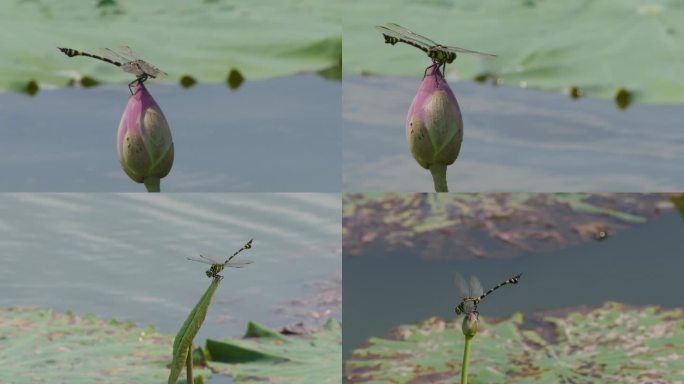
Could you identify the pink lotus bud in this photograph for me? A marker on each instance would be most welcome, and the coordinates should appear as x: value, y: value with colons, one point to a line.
x: 434, y: 126
x: 144, y: 140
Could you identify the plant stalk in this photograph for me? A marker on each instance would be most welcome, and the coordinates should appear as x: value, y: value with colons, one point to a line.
x: 438, y: 172
x: 152, y: 183
x: 188, y: 365
x: 466, y: 360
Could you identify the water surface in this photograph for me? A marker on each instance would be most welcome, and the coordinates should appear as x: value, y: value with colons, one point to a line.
x: 277, y: 135
x: 514, y: 140
x: 123, y: 256
x: 640, y: 266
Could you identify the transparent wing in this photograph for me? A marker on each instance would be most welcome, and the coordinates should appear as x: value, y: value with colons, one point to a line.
x: 461, y: 285
x: 205, y: 260
x: 111, y: 55
x: 475, y: 287
x: 386, y: 31
x: 150, y: 69
x: 463, y: 50
x: 401, y: 32
x: 127, y: 52
x: 238, y: 263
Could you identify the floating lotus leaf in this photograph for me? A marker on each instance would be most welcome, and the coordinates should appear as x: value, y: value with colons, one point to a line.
x: 265, y: 355
x: 625, y: 50
x: 42, y: 346
x: 612, y: 343
x: 464, y: 225
x: 204, y: 41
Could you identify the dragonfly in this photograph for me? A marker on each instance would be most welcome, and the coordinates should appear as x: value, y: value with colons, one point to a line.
x: 472, y: 292
x: 441, y: 55
x: 126, y: 60
x: 218, y: 266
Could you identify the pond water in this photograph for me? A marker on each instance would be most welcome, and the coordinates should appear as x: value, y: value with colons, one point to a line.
x: 123, y: 256
x: 514, y: 140
x: 640, y: 266
x: 277, y: 135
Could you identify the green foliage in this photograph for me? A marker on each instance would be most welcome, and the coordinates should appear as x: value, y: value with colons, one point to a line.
x: 265, y: 355
x: 43, y: 346
x: 204, y: 40
x: 188, y: 331
x: 612, y: 343
x: 625, y: 50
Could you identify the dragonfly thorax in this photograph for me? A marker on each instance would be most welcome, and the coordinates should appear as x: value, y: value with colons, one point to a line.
x: 437, y: 54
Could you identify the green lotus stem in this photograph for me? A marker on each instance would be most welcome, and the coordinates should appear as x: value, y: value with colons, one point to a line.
x: 152, y: 183
x: 439, y: 177
x: 188, y: 366
x: 466, y: 359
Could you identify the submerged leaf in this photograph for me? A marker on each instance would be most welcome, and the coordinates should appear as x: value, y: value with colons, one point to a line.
x: 464, y: 225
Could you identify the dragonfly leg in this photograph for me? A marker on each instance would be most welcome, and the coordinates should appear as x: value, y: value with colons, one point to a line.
x: 138, y: 80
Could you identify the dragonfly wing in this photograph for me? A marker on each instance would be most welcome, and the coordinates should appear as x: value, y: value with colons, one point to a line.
x: 111, y: 55
x: 132, y: 67
x: 127, y: 52
x: 468, y: 51
x: 475, y: 287
x: 407, y: 32
x: 460, y: 283
x: 238, y: 263
x: 150, y: 69
x: 205, y: 261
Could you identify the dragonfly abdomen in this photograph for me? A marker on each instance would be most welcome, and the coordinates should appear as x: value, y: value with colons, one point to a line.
x: 74, y: 52
x: 512, y: 280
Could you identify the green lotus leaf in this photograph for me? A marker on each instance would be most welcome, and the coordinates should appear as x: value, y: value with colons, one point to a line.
x: 612, y: 343
x: 625, y: 50
x: 265, y: 355
x: 43, y: 346
x: 205, y: 41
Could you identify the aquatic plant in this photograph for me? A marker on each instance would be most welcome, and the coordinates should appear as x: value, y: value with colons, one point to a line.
x: 434, y: 127
x: 144, y: 140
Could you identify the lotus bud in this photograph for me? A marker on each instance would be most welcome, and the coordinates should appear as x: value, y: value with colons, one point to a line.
x: 144, y: 140
x: 434, y: 126
x: 470, y: 324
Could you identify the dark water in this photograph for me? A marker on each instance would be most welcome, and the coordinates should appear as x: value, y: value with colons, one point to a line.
x: 514, y: 140
x: 640, y: 266
x: 277, y: 135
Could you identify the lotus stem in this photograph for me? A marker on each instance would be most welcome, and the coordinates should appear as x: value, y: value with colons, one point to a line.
x: 439, y: 177
x: 466, y: 359
x: 152, y: 183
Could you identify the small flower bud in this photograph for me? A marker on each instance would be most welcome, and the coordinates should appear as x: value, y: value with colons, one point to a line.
x: 470, y: 324
x: 144, y: 140
x: 434, y: 126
